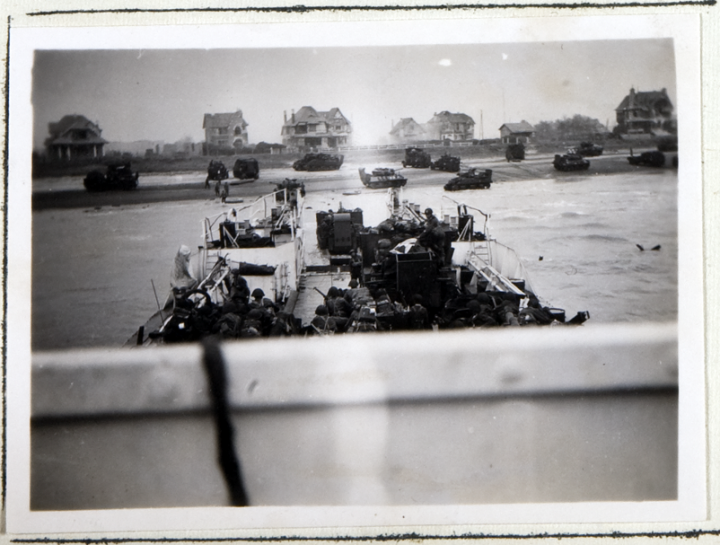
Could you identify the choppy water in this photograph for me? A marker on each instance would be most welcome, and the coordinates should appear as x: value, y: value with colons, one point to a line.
x: 92, y: 269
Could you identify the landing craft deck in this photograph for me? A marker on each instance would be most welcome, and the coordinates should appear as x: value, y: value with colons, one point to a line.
x: 261, y: 272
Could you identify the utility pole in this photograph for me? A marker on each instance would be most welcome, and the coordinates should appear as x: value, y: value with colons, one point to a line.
x: 482, y: 128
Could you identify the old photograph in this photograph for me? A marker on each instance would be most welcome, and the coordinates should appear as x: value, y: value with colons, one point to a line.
x: 447, y: 276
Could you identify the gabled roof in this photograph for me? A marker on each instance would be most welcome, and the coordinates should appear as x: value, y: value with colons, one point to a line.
x: 308, y: 114
x: 523, y: 126
x: 452, y: 118
x: 60, y: 132
x: 211, y: 121
x: 642, y: 99
x: 404, y: 123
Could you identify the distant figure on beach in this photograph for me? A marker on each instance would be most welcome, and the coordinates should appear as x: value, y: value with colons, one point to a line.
x: 225, y: 191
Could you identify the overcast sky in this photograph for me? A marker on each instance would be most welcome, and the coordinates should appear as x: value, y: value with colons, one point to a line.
x: 163, y: 94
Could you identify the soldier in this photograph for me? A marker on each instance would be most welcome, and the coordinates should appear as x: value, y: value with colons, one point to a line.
x: 225, y: 191
x: 418, y: 314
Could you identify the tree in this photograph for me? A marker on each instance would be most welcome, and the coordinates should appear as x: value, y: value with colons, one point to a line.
x: 577, y: 127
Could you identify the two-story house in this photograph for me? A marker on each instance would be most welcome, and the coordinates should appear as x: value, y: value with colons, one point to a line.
x: 309, y: 128
x: 407, y: 130
x: 644, y: 112
x: 73, y: 137
x: 449, y: 126
x: 227, y: 130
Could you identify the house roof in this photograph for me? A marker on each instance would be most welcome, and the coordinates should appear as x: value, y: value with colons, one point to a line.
x: 404, y: 123
x: 60, y: 131
x: 224, y: 120
x: 452, y: 118
x: 642, y: 99
x: 308, y: 114
x: 523, y: 126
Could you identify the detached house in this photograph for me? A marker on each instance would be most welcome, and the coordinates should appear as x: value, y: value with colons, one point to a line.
x: 309, y: 128
x: 408, y: 130
x: 225, y: 131
x: 73, y: 137
x: 644, y: 112
x: 517, y: 133
x: 449, y: 126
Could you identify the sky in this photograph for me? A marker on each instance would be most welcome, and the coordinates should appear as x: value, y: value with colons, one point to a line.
x: 164, y: 94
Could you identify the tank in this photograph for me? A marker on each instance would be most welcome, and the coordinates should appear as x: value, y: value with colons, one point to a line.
x: 569, y: 162
x: 416, y: 158
x: 319, y: 161
x: 515, y: 152
x: 475, y: 178
x: 117, y: 176
x: 446, y: 163
x: 586, y: 149
x: 246, y: 169
x: 647, y: 159
x: 381, y: 178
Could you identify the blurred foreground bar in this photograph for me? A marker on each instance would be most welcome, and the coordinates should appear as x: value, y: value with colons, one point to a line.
x: 495, y: 416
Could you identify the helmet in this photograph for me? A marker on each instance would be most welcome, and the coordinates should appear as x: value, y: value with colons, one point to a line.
x: 257, y: 292
x: 321, y: 310
x: 428, y: 211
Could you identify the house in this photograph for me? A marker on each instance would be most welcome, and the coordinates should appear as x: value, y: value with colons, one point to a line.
x: 224, y: 131
x: 644, y: 112
x: 449, y: 126
x: 517, y: 133
x: 407, y: 130
x: 309, y: 128
x: 73, y: 137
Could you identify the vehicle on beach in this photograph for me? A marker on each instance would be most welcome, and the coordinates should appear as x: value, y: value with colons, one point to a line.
x: 586, y: 149
x: 381, y: 178
x: 667, y: 143
x: 570, y: 162
x: 474, y: 178
x: 258, y: 275
x: 446, y: 163
x: 319, y: 161
x: 119, y: 175
x: 216, y: 171
x: 515, y: 152
x: 246, y: 169
x: 416, y: 158
x: 647, y: 159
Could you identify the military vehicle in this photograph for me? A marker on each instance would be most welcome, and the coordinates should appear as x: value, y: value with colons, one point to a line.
x: 216, y: 171
x: 416, y: 158
x: 667, y: 143
x: 119, y: 175
x: 446, y: 163
x: 319, y: 161
x: 586, y: 149
x: 515, y: 152
x: 290, y: 187
x: 569, y: 162
x: 246, y: 169
x: 647, y: 159
x: 474, y: 178
x: 381, y: 178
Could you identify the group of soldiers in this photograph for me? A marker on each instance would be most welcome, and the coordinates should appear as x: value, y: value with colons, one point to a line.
x: 356, y: 310
x: 244, y: 314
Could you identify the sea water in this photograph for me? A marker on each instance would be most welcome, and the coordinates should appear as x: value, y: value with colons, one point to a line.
x: 96, y: 272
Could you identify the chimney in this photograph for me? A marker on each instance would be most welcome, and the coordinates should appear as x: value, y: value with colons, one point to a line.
x: 284, y: 116
x: 293, y: 116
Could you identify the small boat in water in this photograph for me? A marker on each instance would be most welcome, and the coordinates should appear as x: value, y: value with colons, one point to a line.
x: 262, y: 275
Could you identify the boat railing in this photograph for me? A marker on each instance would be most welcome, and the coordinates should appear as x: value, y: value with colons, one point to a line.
x: 259, y: 213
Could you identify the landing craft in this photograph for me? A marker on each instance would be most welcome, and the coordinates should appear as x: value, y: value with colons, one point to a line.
x: 411, y: 265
